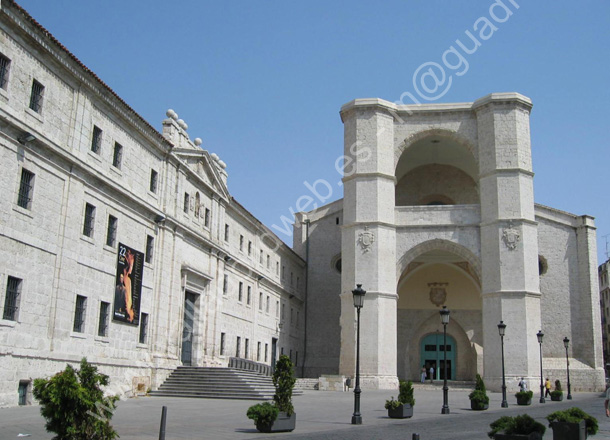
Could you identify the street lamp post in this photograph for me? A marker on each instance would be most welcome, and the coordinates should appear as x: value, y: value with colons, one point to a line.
x: 502, y: 330
x: 445, y: 320
x: 566, y: 344
x: 540, y: 335
x: 358, y: 293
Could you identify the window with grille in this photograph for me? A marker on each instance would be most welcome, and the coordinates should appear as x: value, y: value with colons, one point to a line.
x: 225, y: 285
x: 79, y: 314
x: 249, y: 298
x: 187, y: 203
x: 258, y: 351
x: 143, y: 328
x: 266, y: 350
x: 246, y: 348
x: 111, y: 232
x: 117, y: 155
x: 150, y: 246
x: 26, y: 189
x: 89, y: 220
x: 241, y: 291
x: 12, y: 298
x: 238, y: 347
x: 261, y: 257
x: 260, y: 301
x: 36, y: 96
x: 267, y: 305
x: 5, y: 65
x: 102, y: 328
x: 206, y: 220
x: 226, y: 232
x: 96, y: 139
x: 23, y: 392
x: 153, y: 181
x: 249, y: 248
x: 222, y: 344
x: 241, y: 242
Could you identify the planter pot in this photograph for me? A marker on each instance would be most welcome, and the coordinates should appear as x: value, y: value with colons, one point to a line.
x: 402, y: 412
x: 524, y: 400
x: 532, y: 436
x: 569, y: 431
x: 478, y: 406
x: 557, y: 398
x: 283, y: 423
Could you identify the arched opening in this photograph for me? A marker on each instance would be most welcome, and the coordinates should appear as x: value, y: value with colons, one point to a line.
x: 436, y: 169
x: 432, y: 355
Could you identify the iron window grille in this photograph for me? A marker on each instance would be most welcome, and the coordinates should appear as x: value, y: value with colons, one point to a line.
x: 12, y: 298
x: 111, y: 232
x: 117, y: 155
x: 23, y: 392
x: 187, y: 203
x: 89, y: 220
x: 36, y: 96
x: 102, y: 329
x: 5, y: 64
x: 153, y: 181
x: 150, y: 245
x: 143, y: 328
x: 26, y: 187
x: 96, y: 139
x: 79, y: 314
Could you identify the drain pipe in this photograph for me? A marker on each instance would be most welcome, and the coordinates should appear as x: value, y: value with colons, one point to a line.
x: 306, y: 222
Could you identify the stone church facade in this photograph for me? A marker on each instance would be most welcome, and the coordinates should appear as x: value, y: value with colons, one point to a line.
x: 84, y: 177
x: 438, y: 210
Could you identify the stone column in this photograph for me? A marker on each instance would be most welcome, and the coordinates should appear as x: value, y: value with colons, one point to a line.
x: 368, y: 247
x: 509, y: 239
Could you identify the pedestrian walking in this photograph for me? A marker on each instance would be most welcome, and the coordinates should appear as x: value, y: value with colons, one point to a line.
x: 431, y: 373
x: 547, y: 387
x: 423, y: 373
x: 522, y: 385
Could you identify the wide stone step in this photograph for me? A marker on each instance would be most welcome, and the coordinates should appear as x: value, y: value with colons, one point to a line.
x: 236, y: 396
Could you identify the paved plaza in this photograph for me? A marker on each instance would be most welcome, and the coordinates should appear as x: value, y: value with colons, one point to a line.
x: 320, y: 415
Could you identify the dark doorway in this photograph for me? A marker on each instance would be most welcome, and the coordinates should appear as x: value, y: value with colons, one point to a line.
x: 187, y: 330
x: 273, y: 353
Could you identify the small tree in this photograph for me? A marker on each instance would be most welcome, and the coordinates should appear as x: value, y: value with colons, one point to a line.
x: 283, y: 380
x: 74, y: 406
x: 479, y: 396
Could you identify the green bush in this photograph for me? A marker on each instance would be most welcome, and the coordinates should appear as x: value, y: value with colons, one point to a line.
x: 556, y: 394
x: 524, y: 394
x: 479, y: 395
x: 558, y: 385
x: 574, y: 415
x: 74, y: 406
x: 283, y: 379
x: 520, y: 425
x: 392, y: 404
x: 263, y: 414
x: 405, y: 396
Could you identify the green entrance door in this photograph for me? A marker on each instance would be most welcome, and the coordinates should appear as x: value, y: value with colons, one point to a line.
x: 432, y: 355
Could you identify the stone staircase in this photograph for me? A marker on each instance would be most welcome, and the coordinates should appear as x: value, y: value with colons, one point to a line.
x: 217, y: 383
x: 456, y: 385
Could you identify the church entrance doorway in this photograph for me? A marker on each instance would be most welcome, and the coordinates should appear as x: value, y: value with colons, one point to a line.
x: 432, y: 355
x: 187, y: 330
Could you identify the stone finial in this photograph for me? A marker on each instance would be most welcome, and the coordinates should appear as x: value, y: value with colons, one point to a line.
x: 222, y: 164
x: 182, y: 124
x: 197, y: 141
x: 171, y: 114
x: 215, y: 157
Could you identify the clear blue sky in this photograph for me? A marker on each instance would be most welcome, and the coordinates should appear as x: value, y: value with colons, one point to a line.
x: 262, y: 82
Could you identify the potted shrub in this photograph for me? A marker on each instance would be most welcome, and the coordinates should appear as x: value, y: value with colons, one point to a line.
x: 521, y: 427
x: 572, y: 424
x: 403, y: 407
x: 557, y: 393
x: 278, y: 416
x: 524, y: 397
x: 479, y: 400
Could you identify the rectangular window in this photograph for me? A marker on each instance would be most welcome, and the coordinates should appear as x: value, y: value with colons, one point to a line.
x: 283, y: 272
x: 267, y: 307
x: 277, y: 309
x: 143, y: 327
x: 26, y: 189
x: 283, y: 311
x: 266, y: 350
x: 111, y: 232
x: 241, y: 243
x: 246, y: 348
x: 154, y: 176
x: 23, y: 392
x: 36, y: 96
x: 89, y: 222
x: 117, y: 155
x: 249, y: 248
x: 96, y: 139
x: 12, y: 299
x: 249, y: 298
x: 225, y: 285
x: 238, y: 347
x: 206, y: 219
x: 291, y: 279
x: 102, y: 328
x: 240, y: 295
x: 150, y: 247
x: 79, y: 314
x: 277, y: 268
x: 187, y: 203
x: 268, y: 261
x: 5, y: 65
x: 260, y: 301
x: 258, y: 352
x: 261, y: 257
x: 222, y: 344
x: 226, y: 232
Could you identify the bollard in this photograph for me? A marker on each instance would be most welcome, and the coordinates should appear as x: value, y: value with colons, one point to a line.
x: 415, y: 437
x: 162, y: 427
